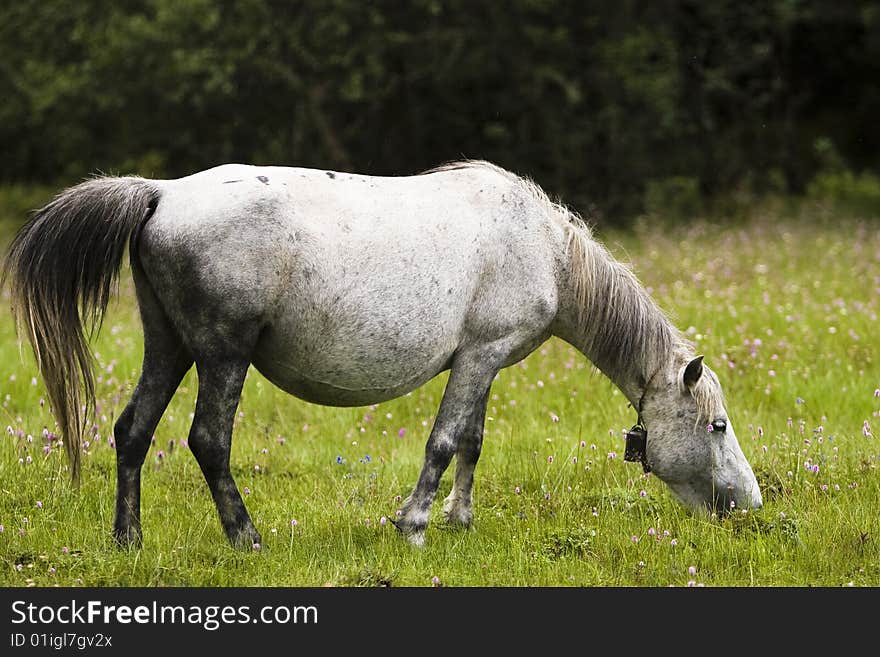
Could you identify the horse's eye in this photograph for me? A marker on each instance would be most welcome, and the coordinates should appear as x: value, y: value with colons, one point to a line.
x: 719, y: 425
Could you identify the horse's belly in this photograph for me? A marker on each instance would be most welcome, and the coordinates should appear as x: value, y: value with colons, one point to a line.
x: 321, y: 370
x: 326, y: 394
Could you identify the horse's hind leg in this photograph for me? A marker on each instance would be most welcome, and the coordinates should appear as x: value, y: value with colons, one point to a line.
x: 165, y: 363
x: 458, y: 506
x: 210, y: 440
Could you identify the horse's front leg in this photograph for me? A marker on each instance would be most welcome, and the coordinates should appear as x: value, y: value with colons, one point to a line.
x: 458, y: 505
x: 466, y: 391
x: 210, y: 440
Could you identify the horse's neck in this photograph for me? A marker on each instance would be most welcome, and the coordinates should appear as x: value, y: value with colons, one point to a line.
x: 606, y: 313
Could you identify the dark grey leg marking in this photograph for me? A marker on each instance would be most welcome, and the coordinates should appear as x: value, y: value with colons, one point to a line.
x: 458, y: 506
x: 263, y: 179
x: 166, y: 361
x: 227, y: 182
x: 470, y: 378
x: 132, y: 432
x: 210, y: 439
x: 330, y: 175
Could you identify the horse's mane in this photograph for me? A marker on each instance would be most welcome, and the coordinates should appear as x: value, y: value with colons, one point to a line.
x: 625, y: 333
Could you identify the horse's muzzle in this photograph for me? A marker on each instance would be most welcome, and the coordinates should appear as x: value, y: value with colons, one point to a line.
x: 731, y: 498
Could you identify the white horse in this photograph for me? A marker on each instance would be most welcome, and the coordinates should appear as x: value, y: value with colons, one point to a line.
x: 347, y: 290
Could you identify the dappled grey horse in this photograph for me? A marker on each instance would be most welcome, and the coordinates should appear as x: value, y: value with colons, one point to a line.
x: 349, y: 290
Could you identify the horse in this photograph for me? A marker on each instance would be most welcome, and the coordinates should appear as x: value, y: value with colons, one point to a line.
x: 346, y: 290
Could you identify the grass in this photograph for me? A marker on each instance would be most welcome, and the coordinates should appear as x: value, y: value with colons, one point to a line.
x: 784, y: 307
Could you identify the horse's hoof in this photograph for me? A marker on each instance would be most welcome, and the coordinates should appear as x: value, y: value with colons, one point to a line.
x: 414, y: 535
x: 128, y: 539
x: 457, y: 515
x: 247, y: 540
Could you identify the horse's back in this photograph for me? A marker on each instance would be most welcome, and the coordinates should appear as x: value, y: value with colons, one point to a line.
x: 364, y: 286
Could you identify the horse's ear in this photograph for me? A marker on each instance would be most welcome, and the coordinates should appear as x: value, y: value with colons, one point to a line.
x: 693, y: 372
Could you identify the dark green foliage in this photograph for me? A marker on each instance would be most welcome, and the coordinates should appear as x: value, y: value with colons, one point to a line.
x: 607, y: 105
x: 368, y: 576
x: 786, y: 528
x: 574, y: 542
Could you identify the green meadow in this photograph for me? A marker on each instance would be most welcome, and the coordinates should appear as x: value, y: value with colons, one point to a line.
x: 784, y: 306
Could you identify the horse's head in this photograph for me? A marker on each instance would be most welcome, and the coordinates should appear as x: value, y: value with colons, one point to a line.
x: 691, y: 444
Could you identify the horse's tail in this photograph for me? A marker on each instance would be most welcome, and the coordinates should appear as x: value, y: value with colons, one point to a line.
x: 62, y: 266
